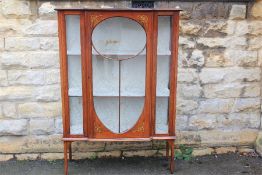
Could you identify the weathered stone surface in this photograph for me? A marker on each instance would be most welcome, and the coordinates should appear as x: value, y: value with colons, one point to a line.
x: 186, y: 106
x: 224, y: 150
x: 188, y: 138
x: 9, y: 110
x: 127, y: 145
x: 253, y: 27
x: 52, y: 156
x: 181, y: 122
x: 202, y: 121
x: 88, y: 146
x: 216, y: 75
x: 227, y: 42
x: 189, y: 28
x: 52, y: 76
x: 256, y: 10
x: 58, y: 126
x: 239, y: 57
x: 227, y: 138
x: 27, y: 156
x: 47, y: 10
x: 238, y: 12
x: 245, y: 150
x: 34, y: 109
x: 3, y: 78
x: 85, y: 155
x: 258, y: 143
x: 140, y: 153
x: 49, y: 93
x: 187, y: 75
x: 31, y: 144
x: 16, y: 8
x: 13, y: 127
x: 189, y: 90
x: 17, y: 60
x: 16, y: 93
x: 26, y: 77
x: 22, y: 43
x: 49, y: 43
x: 197, y: 59
x: 230, y: 90
x: 186, y: 42
x: 202, y: 151
x: 255, y: 43
x: 236, y: 121
x: 41, y: 126
x: 42, y: 27
x: 108, y: 154
x: 2, y: 44
x: 6, y: 157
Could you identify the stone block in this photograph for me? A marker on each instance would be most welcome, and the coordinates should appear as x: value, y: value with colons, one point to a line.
x: 202, y: 121
x: 187, y: 75
x: 238, y: 12
x: 238, y: 121
x: 22, y: 43
x: 3, y: 78
x: 227, y: 138
x: 231, y: 90
x: 50, y: 93
x: 186, y: 42
x: 240, y: 57
x: 253, y: 27
x: 58, y: 126
x: 47, y: 11
x: 6, y: 157
x: 52, y: 156
x: 85, y: 155
x: 9, y: 110
x: 31, y: 144
x: 42, y: 28
x: 26, y: 77
x: 87, y: 146
x: 49, y: 43
x: 127, y: 145
x: 216, y: 106
x: 189, y: 28
x: 109, y: 154
x: 22, y: 60
x: 186, y: 106
x: 225, y: 150
x: 258, y: 143
x: 255, y: 43
x: 16, y: 93
x: 202, y: 151
x: 181, y: 122
x: 16, y: 8
x: 27, y: 156
x: 140, y: 153
x: 189, y: 90
x: 41, y: 109
x: 256, y: 10
x: 52, y: 76
x: 41, y: 126
x: 13, y: 127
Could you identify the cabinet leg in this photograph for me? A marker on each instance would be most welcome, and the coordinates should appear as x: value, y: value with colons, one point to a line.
x: 167, y: 149
x: 70, y: 150
x: 65, y: 158
x: 172, y: 161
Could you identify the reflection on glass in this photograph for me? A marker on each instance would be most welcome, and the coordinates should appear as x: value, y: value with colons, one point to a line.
x: 118, y: 82
x: 163, y: 68
x: 74, y: 73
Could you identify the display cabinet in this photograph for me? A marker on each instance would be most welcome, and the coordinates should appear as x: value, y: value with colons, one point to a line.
x: 118, y: 75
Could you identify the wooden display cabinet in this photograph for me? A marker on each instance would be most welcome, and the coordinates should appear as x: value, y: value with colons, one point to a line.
x: 118, y: 75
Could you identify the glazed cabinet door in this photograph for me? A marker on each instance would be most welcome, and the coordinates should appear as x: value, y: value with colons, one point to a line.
x: 119, y: 61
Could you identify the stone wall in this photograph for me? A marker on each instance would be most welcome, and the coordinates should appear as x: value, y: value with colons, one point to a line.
x: 219, y: 93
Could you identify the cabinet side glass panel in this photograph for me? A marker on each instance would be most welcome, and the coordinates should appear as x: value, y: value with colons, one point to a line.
x: 74, y: 73
x: 163, y: 68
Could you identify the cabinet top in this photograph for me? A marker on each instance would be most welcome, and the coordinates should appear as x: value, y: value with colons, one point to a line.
x: 120, y: 9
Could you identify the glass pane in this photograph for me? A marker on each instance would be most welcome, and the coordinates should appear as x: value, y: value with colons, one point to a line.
x: 118, y: 76
x: 118, y: 37
x: 73, y: 34
x: 74, y: 73
x: 76, y: 113
x: 163, y: 66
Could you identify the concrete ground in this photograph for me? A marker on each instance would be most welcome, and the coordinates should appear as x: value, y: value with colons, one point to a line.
x: 230, y: 164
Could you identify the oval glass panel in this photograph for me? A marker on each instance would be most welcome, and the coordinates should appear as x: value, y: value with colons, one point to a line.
x: 118, y: 83
x: 118, y: 38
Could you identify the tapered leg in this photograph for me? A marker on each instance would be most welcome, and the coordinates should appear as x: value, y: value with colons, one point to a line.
x: 167, y: 149
x: 70, y: 150
x: 65, y: 158
x: 172, y: 161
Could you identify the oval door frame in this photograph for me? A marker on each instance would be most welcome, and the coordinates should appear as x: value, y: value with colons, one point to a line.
x: 95, y: 128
